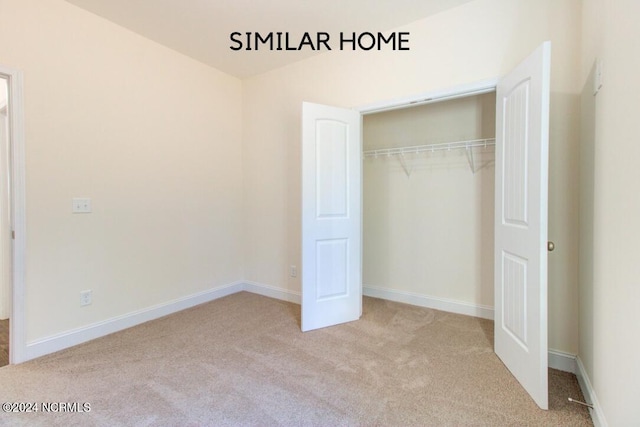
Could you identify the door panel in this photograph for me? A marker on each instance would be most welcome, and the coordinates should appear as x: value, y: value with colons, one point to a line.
x: 331, y: 268
x: 522, y: 133
x: 331, y: 216
x: 331, y: 169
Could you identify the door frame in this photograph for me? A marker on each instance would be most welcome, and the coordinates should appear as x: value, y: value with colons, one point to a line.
x: 460, y: 91
x: 17, y: 203
x: 5, y: 243
x: 423, y: 98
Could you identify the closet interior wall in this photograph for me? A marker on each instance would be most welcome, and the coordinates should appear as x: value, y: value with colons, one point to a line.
x: 428, y: 225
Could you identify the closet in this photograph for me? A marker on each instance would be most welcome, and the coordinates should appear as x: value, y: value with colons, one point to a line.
x: 428, y: 203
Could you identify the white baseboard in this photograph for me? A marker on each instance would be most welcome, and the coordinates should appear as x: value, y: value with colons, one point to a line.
x: 272, y: 292
x: 96, y: 330
x: 557, y: 359
x: 562, y: 361
x: 427, y: 301
x: 83, y: 334
x: 590, y: 395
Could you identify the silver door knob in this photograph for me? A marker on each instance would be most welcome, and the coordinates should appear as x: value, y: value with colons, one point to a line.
x: 551, y: 246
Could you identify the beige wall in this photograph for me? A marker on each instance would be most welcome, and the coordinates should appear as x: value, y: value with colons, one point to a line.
x: 430, y: 233
x: 479, y: 40
x: 151, y: 136
x: 610, y: 205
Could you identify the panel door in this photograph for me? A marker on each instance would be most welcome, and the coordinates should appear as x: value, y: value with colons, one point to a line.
x: 522, y: 139
x: 331, y: 216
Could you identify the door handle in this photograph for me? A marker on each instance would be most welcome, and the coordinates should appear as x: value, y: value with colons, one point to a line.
x: 550, y: 246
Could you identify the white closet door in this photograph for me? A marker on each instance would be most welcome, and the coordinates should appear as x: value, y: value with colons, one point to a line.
x: 331, y: 216
x: 522, y: 134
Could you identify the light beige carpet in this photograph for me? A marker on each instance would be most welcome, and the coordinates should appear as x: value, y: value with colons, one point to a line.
x: 242, y: 360
x: 4, y: 342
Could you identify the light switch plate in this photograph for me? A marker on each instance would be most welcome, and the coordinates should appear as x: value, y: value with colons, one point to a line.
x: 81, y: 205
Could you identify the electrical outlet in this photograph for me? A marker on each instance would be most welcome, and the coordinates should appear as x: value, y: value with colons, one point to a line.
x: 86, y: 297
x: 293, y: 271
x: 80, y: 205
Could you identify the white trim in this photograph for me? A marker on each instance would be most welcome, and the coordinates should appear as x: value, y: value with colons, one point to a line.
x: 272, y: 292
x: 557, y: 359
x: 17, y: 344
x: 562, y: 361
x: 590, y: 395
x: 460, y: 91
x: 449, y: 305
x: 99, y: 329
x: 6, y: 244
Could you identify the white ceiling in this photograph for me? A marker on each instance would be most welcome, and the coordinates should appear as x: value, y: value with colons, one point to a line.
x: 201, y: 28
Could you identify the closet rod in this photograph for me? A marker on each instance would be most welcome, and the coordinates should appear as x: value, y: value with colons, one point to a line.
x: 426, y: 148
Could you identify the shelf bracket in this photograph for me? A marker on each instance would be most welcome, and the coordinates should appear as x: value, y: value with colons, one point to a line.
x: 471, y: 159
x: 405, y: 165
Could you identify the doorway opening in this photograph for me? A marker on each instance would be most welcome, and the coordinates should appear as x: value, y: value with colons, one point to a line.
x: 428, y: 204
x: 5, y: 243
x: 12, y: 212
